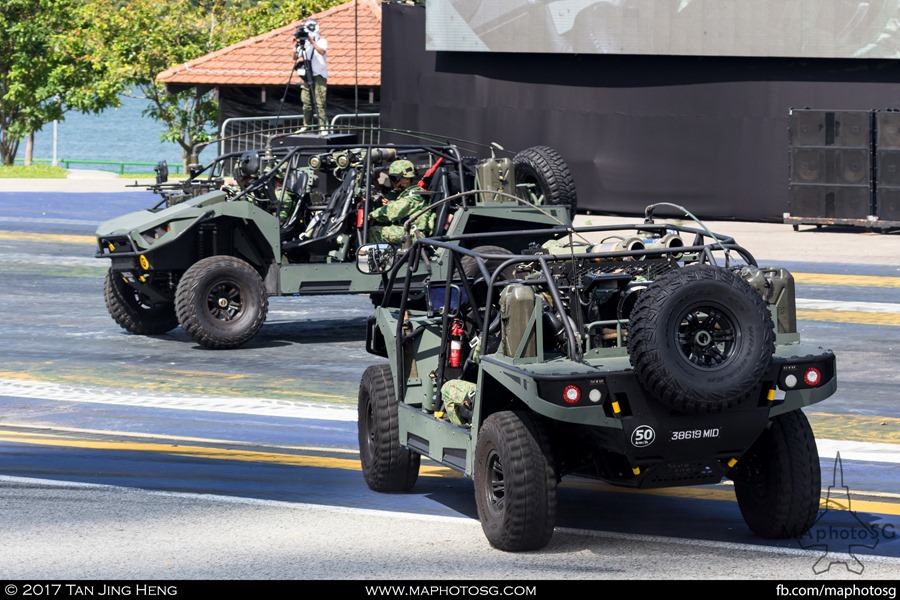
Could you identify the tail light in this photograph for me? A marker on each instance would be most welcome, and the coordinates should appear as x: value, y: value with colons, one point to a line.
x: 571, y: 394
x: 799, y: 377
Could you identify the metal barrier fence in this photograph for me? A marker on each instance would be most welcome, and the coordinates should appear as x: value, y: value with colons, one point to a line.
x: 115, y: 166
x: 247, y: 133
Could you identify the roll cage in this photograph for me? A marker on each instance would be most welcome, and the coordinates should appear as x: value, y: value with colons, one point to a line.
x: 560, y: 271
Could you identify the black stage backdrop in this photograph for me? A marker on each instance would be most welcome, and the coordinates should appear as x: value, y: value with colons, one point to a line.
x: 707, y: 133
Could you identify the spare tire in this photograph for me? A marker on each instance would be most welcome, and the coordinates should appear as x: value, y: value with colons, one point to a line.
x: 480, y: 287
x: 470, y: 265
x: 470, y: 269
x: 542, y: 172
x: 700, y: 339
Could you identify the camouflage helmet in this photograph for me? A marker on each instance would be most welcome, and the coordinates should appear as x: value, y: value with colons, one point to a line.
x: 402, y: 168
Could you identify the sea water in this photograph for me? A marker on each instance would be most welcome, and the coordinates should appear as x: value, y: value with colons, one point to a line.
x: 120, y: 134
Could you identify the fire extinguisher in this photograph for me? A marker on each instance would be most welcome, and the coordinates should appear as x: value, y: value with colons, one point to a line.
x: 456, y: 342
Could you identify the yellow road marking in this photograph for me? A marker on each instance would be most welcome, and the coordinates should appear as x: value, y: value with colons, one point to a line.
x: 353, y: 465
x: 851, y: 280
x: 16, y: 375
x: 21, y: 236
x: 200, y: 452
x: 173, y: 439
x: 849, y: 316
x: 856, y: 428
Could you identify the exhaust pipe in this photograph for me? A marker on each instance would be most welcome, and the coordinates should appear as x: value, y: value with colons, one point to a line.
x: 670, y: 240
x: 625, y: 245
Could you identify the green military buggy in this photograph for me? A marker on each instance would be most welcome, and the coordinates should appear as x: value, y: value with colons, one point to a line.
x: 287, y: 220
x: 643, y: 355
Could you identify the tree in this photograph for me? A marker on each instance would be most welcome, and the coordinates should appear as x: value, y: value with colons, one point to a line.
x: 143, y: 38
x: 259, y: 17
x: 48, y: 66
x: 146, y: 37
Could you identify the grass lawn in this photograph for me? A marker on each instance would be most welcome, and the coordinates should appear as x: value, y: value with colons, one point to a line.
x: 32, y: 172
x: 48, y: 172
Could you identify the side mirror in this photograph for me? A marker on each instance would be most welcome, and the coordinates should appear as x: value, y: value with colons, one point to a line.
x: 375, y: 258
x: 440, y: 297
x: 162, y: 172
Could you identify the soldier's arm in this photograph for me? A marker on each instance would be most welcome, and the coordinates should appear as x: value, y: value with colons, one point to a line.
x: 379, y: 215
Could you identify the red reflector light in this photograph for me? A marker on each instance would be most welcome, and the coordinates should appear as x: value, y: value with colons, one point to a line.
x: 812, y: 377
x: 572, y: 394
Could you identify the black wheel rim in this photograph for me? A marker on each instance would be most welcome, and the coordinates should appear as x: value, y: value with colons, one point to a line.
x: 224, y: 301
x: 707, y: 336
x: 752, y: 472
x: 140, y: 302
x: 531, y: 184
x: 496, y: 484
x: 133, y: 298
x: 370, y: 431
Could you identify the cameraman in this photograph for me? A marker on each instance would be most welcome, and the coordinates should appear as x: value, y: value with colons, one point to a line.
x: 312, y: 63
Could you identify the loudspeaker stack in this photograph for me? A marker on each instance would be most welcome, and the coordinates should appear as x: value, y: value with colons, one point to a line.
x: 887, y: 165
x: 831, y: 171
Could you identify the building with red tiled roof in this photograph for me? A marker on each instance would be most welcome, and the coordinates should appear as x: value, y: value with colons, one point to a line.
x: 256, y: 77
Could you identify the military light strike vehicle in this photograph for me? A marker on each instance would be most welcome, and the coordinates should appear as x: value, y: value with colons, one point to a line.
x: 212, y: 251
x: 645, y: 355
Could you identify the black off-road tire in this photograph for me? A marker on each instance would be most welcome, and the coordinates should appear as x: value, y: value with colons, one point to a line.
x: 778, y: 481
x: 133, y: 312
x: 470, y: 265
x: 221, y: 301
x: 387, y: 466
x: 700, y: 338
x: 545, y: 169
x: 515, y: 482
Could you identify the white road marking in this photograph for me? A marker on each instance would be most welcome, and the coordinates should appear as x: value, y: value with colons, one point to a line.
x: 223, y: 404
x: 864, y: 451
x: 843, y: 305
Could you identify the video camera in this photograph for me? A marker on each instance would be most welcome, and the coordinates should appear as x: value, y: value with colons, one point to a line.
x: 301, y: 34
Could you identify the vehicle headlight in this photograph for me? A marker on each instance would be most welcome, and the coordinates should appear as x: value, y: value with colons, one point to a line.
x: 152, y: 235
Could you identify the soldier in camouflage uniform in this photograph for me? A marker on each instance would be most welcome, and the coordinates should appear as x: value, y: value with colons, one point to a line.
x: 388, y: 219
x: 458, y: 397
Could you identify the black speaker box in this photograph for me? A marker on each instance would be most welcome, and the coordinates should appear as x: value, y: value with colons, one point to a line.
x: 830, y: 201
x: 887, y: 204
x: 887, y: 168
x: 887, y: 130
x: 850, y: 166
x: 846, y: 129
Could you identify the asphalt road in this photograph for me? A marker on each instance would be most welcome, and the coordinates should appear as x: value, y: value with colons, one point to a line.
x: 82, y: 499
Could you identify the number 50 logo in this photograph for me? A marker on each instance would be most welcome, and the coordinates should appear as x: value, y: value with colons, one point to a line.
x: 642, y: 436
